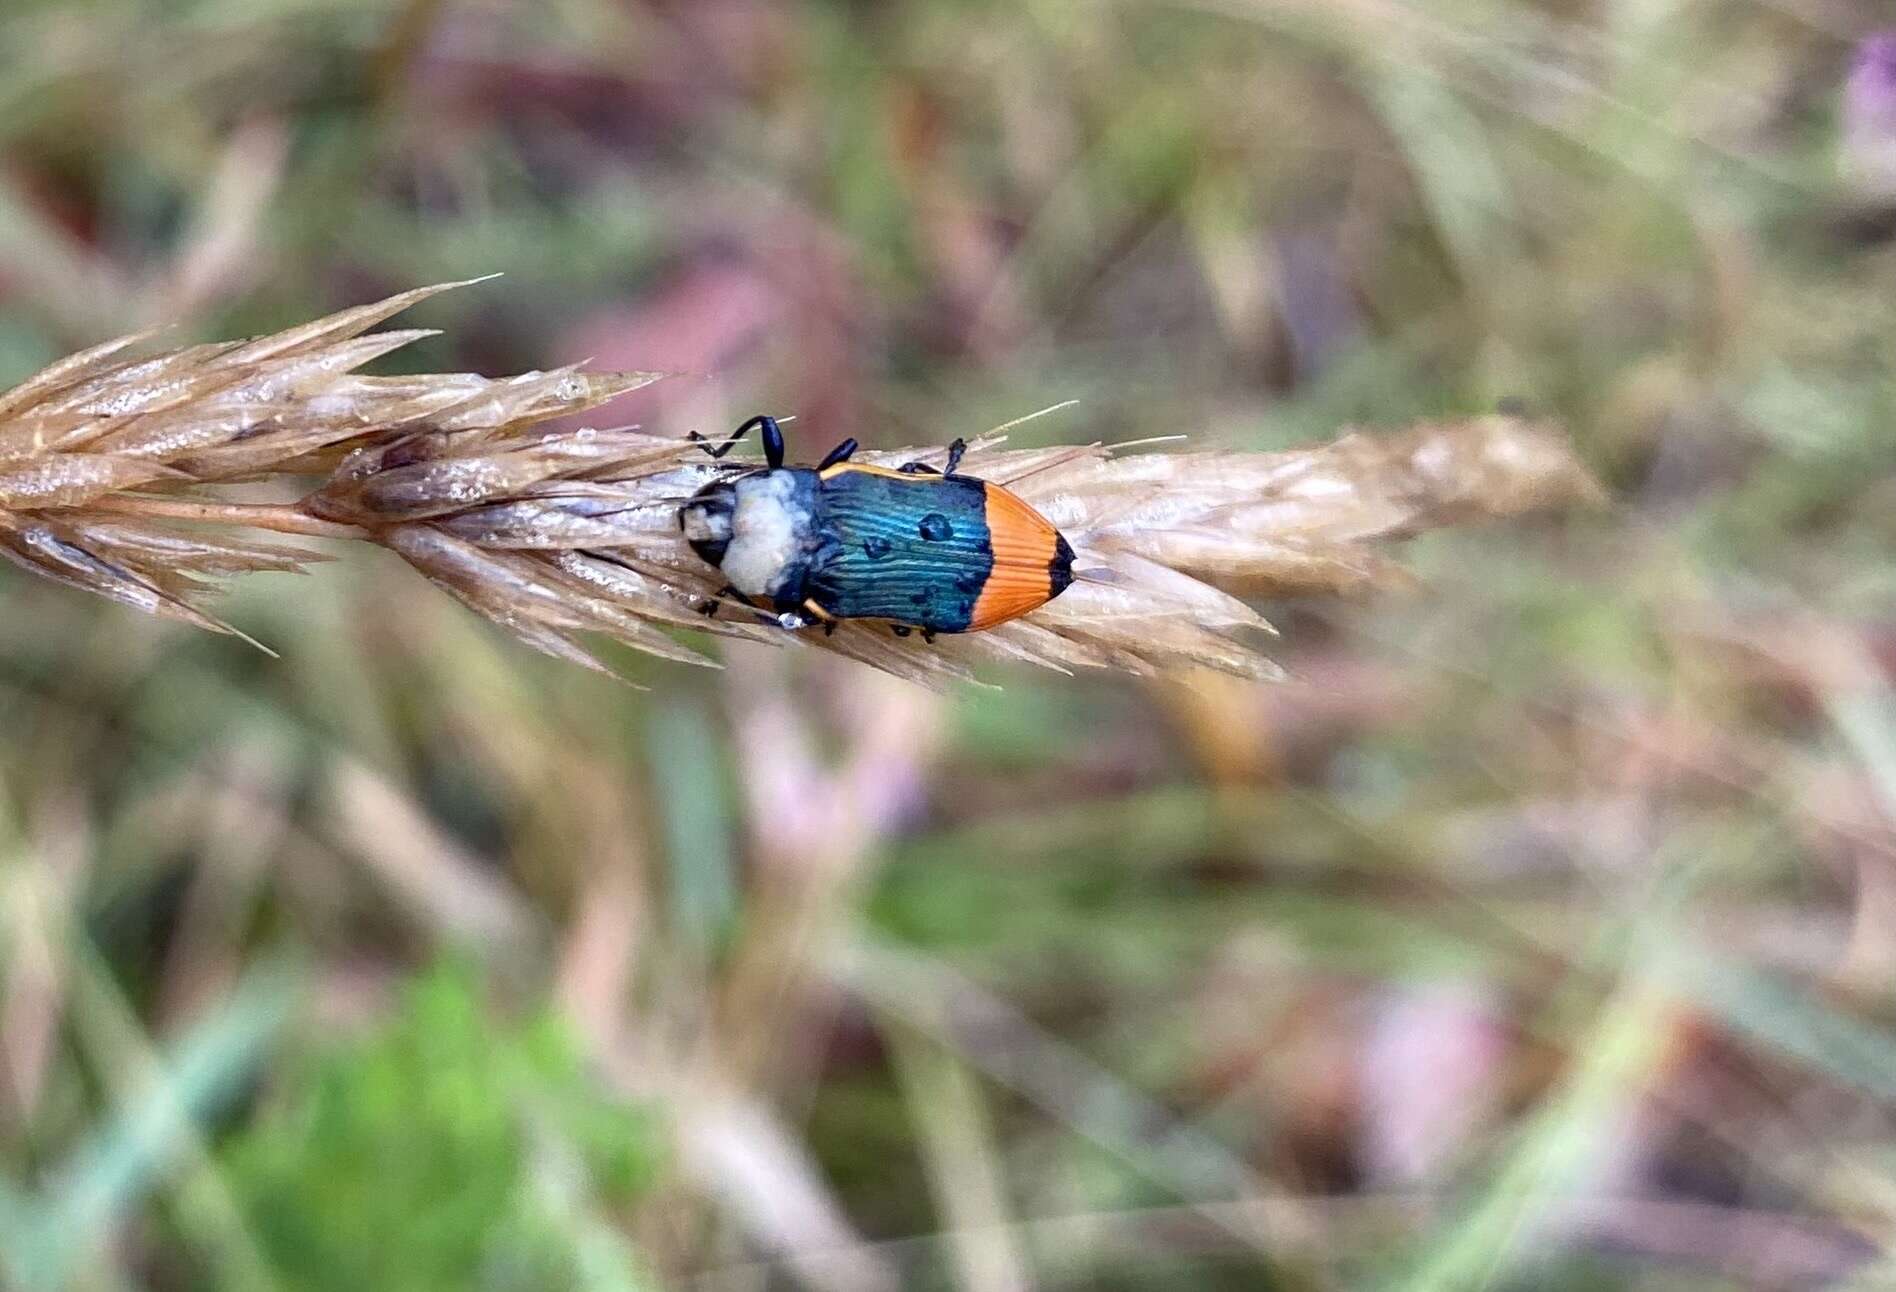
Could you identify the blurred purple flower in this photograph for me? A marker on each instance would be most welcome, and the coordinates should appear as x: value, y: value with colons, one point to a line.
x: 1868, y: 156
x: 1872, y: 86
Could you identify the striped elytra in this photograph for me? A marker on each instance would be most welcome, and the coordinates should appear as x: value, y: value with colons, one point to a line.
x: 917, y: 548
x: 941, y: 553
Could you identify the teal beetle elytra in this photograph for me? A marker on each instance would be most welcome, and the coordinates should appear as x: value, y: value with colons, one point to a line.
x: 917, y: 548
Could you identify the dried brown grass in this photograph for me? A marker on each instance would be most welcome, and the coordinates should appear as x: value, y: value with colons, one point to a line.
x: 105, y: 459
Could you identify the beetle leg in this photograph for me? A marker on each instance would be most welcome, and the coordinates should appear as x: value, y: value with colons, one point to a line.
x: 720, y: 449
x: 773, y: 440
x: 928, y: 635
x: 710, y: 606
x: 841, y: 453
x: 920, y: 468
x: 816, y: 614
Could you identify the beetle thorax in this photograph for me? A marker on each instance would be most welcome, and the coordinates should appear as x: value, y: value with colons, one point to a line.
x: 768, y: 532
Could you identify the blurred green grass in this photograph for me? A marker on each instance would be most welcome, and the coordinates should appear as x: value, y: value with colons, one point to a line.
x: 1538, y: 935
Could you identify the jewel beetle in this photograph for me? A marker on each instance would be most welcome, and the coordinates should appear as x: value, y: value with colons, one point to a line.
x: 919, y: 548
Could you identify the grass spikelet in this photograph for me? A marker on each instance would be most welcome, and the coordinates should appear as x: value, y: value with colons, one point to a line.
x: 101, y: 454
x: 555, y: 536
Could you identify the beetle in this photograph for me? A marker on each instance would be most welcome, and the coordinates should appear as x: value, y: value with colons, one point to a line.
x: 920, y: 548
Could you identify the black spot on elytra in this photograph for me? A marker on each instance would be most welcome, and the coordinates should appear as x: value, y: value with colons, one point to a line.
x: 919, y: 598
x: 875, y: 548
x: 967, y: 610
x: 935, y: 528
x: 967, y: 584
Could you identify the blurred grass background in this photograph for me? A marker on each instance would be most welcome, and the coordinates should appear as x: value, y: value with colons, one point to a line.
x: 1539, y: 935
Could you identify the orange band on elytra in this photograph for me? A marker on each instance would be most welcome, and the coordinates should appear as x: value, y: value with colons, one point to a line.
x: 1024, y: 543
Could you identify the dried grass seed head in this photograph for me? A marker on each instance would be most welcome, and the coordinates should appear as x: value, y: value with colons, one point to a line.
x: 557, y: 535
x: 88, y: 443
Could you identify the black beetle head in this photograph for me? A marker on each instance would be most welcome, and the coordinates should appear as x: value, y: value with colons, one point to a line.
x: 706, y: 520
